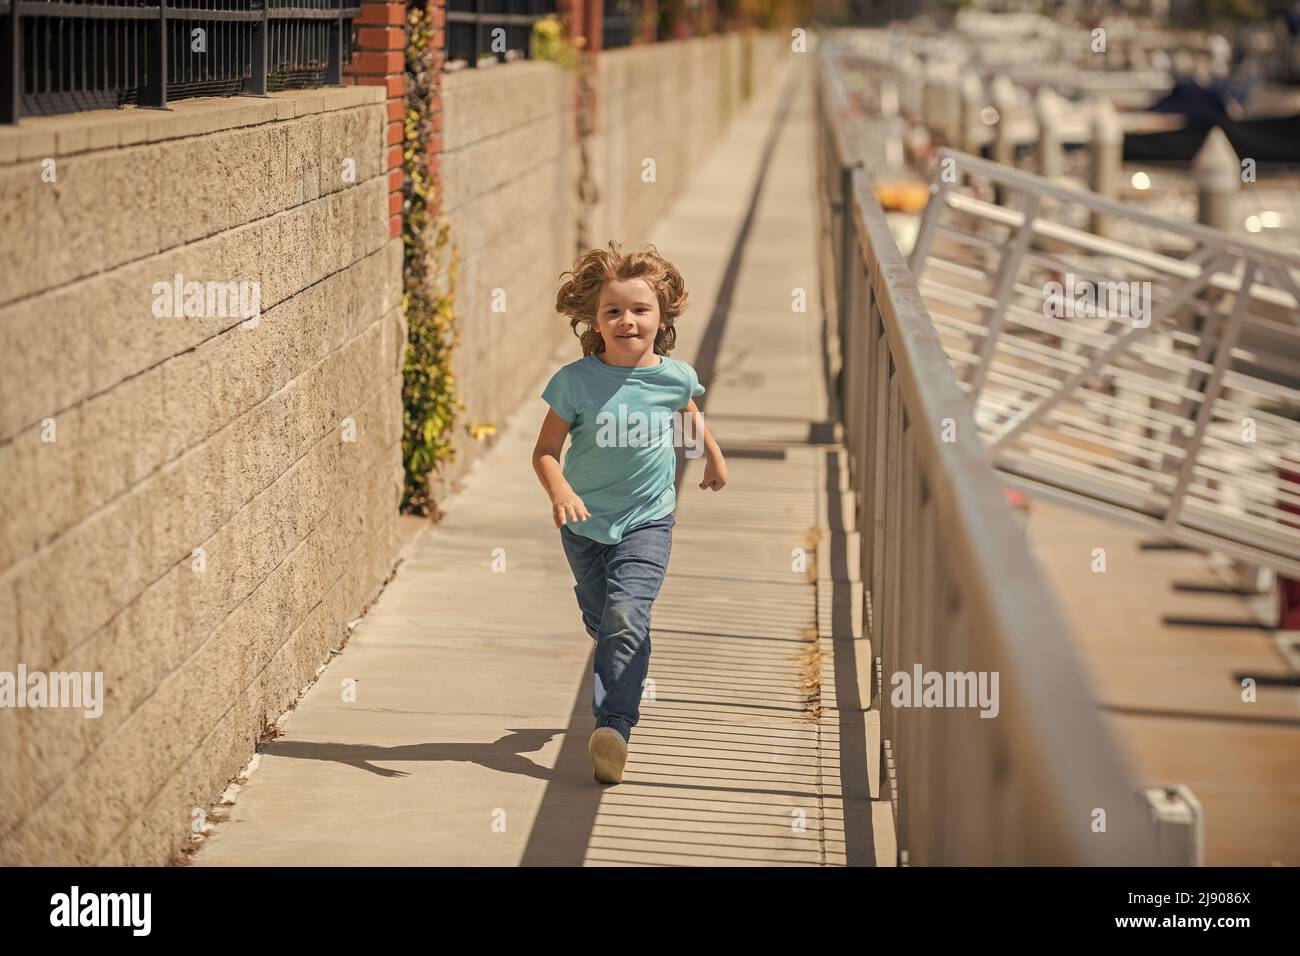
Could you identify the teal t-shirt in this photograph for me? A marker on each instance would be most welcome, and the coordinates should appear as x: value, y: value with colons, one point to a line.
x: 624, y: 425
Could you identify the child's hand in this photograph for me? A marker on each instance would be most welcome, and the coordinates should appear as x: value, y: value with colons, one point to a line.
x: 715, y: 474
x: 566, y: 507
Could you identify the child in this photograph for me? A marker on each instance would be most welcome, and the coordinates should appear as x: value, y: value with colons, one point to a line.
x: 614, y: 499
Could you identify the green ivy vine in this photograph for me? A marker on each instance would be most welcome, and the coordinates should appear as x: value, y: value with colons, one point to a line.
x: 428, y: 382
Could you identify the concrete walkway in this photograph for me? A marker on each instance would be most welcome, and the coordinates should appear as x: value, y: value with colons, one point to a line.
x: 466, y: 744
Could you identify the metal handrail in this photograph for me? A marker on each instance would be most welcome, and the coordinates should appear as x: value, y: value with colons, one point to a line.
x: 949, y: 582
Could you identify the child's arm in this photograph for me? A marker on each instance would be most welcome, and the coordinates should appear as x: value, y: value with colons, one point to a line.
x: 715, y: 466
x: 565, y: 504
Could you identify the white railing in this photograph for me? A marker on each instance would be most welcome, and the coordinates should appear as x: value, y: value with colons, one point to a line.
x: 948, y: 584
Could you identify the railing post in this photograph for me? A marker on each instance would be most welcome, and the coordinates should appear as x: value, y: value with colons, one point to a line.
x: 1048, y: 108
x: 907, y: 755
x: 862, y: 399
x: 884, y: 598
x: 478, y: 32
x: 841, y: 239
x: 334, y: 63
x: 930, y: 219
x: 11, y: 76
x: 972, y: 104
x: 928, y: 785
x: 852, y: 363
x: 1002, y: 94
x: 1222, y: 361
x: 154, y: 91
x: 876, y: 345
x: 1003, y: 290
x: 258, y: 52
x: 1217, y: 171
x: 842, y: 278
x: 1106, y: 149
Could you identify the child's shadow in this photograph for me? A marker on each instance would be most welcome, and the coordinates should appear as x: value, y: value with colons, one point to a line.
x: 504, y: 754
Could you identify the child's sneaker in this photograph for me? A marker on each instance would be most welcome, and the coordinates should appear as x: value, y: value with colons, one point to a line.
x: 608, y: 752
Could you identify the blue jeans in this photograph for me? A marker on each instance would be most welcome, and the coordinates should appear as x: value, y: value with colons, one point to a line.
x: 617, y: 583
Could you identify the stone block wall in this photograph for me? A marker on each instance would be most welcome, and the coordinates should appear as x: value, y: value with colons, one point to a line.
x: 509, y: 171
x: 196, y: 505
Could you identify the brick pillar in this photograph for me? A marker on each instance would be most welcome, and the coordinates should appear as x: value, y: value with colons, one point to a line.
x: 595, y: 29
x: 650, y: 33
x: 380, y: 60
x: 682, y: 25
x: 595, y: 34
x: 575, y: 15
x: 585, y: 19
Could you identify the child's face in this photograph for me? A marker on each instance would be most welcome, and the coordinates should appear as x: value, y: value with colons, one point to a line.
x: 628, y: 318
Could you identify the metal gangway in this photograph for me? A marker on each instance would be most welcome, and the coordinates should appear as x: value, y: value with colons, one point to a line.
x: 1152, y: 377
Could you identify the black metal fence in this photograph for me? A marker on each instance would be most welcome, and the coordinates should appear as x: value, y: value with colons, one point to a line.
x: 472, y: 25
x: 59, y: 56
x: 621, y: 21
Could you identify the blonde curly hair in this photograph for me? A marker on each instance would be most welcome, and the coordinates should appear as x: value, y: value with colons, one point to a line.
x: 579, y: 296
